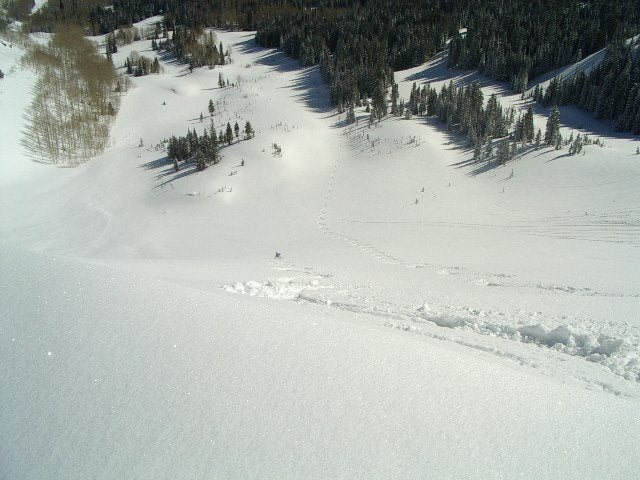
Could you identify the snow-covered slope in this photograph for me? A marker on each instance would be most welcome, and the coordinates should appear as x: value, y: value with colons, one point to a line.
x: 427, y: 317
x: 109, y: 375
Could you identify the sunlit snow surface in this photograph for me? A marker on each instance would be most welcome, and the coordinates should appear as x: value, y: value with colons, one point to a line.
x: 489, y: 330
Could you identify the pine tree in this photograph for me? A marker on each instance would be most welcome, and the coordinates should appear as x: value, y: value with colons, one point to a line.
x: 513, y: 151
x: 248, y: 130
x: 488, y: 152
x: 528, y: 125
x: 351, y: 115
x: 212, y: 108
x: 558, y: 143
x: 228, y: 136
x: 236, y: 130
x: 552, y: 133
x: 503, y: 153
x: 394, y: 99
x: 477, y: 152
x: 201, y: 161
x: 379, y: 101
x: 538, y: 139
x: 576, y: 145
x: 172, y: 145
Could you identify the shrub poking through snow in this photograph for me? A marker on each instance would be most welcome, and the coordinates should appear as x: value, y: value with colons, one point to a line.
x: 277, y: 150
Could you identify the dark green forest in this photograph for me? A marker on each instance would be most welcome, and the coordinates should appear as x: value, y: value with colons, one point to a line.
x: 611, y: 90
x: 360, y: 43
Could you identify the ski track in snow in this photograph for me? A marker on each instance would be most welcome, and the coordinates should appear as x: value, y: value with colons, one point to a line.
x: 616, y: 347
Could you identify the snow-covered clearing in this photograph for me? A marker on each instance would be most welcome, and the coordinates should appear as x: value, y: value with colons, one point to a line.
x: 427, y: 317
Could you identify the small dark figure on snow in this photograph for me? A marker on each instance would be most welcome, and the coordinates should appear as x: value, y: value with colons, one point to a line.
x: 277, y: 255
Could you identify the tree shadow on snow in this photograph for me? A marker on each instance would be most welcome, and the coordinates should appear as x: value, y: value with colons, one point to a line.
x: 167, y: 174
x: 312, y: 91
x: 437, y: 71
x: 308, y: 86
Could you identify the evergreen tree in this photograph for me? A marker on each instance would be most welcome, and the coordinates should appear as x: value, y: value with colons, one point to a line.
x: 236, y: 130
x: 351, y: 115
x: 379, y: 101
x: 552, y: 133
x: 529, y: 131
x: 228, y: 136
x: 212, y: 108
x: 503, y: 152
x: 558, y: 142
x: 576, y: 145
x: 394, y: 99
x: 477, y: 152
x: 513, y: 151
x: 248, y: 130
x: 201, y: 163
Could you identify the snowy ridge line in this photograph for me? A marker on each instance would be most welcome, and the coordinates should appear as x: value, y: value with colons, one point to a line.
x: 616, y: 347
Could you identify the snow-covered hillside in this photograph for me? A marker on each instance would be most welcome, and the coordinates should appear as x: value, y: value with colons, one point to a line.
x: 428, y: 316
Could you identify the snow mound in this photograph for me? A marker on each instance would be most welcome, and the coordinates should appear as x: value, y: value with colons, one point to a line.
x: 619, y: 354
x: 278, y: 289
